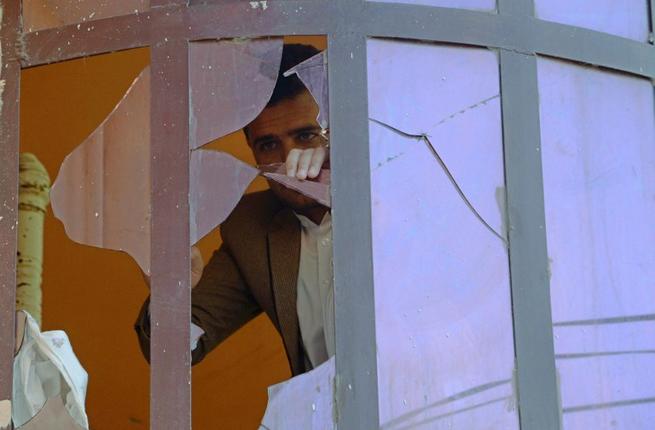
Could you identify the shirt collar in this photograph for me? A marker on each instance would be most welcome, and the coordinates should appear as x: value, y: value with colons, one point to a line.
x: 309, y: 226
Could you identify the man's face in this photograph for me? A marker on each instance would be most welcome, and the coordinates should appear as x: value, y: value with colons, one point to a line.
x: 289, y: 124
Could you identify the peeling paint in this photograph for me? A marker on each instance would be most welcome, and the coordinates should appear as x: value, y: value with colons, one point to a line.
x: 263, y: 4
x: 2, y: 86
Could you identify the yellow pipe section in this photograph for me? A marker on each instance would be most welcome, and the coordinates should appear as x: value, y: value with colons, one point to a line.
x: 33, y: 198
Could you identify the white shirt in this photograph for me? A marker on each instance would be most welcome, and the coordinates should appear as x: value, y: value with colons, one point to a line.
x: 315, y: 299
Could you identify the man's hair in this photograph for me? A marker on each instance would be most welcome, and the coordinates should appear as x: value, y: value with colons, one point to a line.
x: 289, y: 87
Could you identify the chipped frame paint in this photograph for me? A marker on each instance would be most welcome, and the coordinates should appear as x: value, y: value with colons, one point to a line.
x: 513, y: 30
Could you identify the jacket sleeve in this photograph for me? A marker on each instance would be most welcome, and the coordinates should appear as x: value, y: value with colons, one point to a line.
x: 220, y: 304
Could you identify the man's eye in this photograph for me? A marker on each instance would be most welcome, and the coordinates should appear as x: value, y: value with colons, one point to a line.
x: 267, y: 146
x: 307, y: 136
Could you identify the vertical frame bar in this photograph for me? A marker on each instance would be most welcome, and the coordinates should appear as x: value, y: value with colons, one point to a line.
x: 9, y: 147
x: 356, y: 361
x: 537, y: 387
x: 539, y: 406
x: 170, y: 306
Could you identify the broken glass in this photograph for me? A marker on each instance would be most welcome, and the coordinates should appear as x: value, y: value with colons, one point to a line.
x: 312, y: 396
x: 230, y: 83
x: 597, y: 133
x: 42, y: 14
x: 629, y: 19
x: 489, y: 5
x: 441, y: 269
x: 102, y: 191
x: 218, y: 180
x: 313, y: 73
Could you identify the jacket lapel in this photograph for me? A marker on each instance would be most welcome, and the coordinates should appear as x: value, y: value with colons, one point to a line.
x: 284, y: 254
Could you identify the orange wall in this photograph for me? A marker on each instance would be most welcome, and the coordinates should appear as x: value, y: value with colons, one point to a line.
x: 95, y: 294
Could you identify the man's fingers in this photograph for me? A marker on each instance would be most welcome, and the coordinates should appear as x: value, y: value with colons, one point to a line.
x: 317, y: 162
x: 303, y: 163
x: 292, y: 162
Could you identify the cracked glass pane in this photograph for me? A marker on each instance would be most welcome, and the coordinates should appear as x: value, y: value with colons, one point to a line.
x: 231, y: 81
x: 225, y: 74
x: 489, y: 5
x: 42, y: 14
x: 441, y: 269
x: 597, y: 134
x: 628, y: 19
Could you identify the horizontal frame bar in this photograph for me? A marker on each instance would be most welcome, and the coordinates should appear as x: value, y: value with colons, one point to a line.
x: 523, y: 34
x: 290, y: 17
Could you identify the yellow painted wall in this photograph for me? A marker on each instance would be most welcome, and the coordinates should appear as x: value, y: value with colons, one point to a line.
x: 95, y: 294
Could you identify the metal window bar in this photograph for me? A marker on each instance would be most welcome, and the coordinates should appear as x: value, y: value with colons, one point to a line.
x: 513, y: 30
x: 10, y: 74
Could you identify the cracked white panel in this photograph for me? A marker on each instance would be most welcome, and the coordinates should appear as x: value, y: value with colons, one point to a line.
x: 42, y: 14
x: 598, y: 150
x: 625, y: 18
x: 442, y: 296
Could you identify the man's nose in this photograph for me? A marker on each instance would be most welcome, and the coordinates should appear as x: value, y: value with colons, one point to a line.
x: 287, y: 146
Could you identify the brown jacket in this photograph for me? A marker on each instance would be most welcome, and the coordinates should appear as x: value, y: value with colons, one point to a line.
x: 254, y: 270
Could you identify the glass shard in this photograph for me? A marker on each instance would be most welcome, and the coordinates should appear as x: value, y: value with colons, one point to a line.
x: 102, y: 191
x: 230, y: 83
x: 444, y: 321
x: 313, y: 73
x: 218, y: 181
x: 317, y: 189
x: 597, y: 133
x: 303, y: 402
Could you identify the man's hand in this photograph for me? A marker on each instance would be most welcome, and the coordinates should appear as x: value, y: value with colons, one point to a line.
x: 306, y: 163
x: 197, y: 266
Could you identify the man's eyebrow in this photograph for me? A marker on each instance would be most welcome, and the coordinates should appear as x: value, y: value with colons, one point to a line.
x: 304, y: 129
x: 264, y: 138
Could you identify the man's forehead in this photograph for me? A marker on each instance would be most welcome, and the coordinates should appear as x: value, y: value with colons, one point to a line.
x: 286, y: 116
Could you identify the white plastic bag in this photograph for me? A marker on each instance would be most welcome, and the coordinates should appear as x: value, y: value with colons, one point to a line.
x: 48, y: 380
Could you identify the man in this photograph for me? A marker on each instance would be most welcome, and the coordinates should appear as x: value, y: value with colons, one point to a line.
x: 276, y: 255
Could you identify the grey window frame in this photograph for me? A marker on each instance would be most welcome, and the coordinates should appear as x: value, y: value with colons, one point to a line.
x: 170, y: 25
